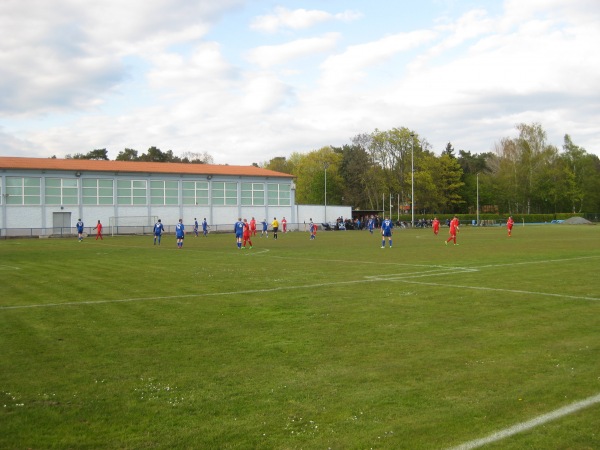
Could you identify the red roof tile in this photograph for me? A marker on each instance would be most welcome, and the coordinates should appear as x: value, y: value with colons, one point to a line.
x: 86, y: 165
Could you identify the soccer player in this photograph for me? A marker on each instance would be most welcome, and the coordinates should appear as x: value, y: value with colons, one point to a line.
x: 204, y: 227
x: 196, y: 227
x: 79, y: 226
x: 386, y: 231
x: 180, y: 233
x: 98, y: 229
x: 453, y: 230
x: 313, y: 230
x: 275, y: 225
x: 238, y: 228
x: 436, y: 226
x: 158, y: 229
x: 253, y: 227
x: 265, y: 228
x: 371, y: 224
x: 247, y: 234
x: 509, y: 225
x: 284, y: 225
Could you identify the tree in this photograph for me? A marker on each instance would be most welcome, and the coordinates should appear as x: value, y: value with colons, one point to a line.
x: 449, y: 150
x: 309, y: 170
x: 449, y: 182
x: 280, y: 164
x: 128, y: 155
x: 474, y: 167
x: 391, y: 150
x: 521, y: 161
x: 354, y: 169
x: 99, y: 154
x: 196, y: 158
x: 154, y: 155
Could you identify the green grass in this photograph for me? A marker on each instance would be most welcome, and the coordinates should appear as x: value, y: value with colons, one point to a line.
x: 295, y: 344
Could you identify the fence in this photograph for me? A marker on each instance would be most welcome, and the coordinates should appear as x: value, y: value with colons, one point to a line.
x: 124, y: 230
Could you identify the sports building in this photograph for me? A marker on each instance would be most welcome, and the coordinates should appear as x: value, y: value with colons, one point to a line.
x: 47, y: 196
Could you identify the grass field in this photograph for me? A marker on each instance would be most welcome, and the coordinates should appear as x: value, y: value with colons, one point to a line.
x: 297, y: 344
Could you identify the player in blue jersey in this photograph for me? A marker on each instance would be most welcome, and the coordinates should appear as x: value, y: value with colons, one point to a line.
x: 196, y: 227
x: 265, y: 228
x: 180, y: 233
x: 79, y: 226
x: 158, y: 229
x: 238, y: 228
x: 204, y: 227
x: 371, y: 224
x: 386, y: 231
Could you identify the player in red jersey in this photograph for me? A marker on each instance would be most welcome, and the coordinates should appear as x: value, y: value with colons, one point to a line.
x: 284, y: 225
x: 247, y: 234
x: 98, y: 229
x: 252, y: 227
x: 453, y: 230
x: 436, y: 226
x: 509, y: 225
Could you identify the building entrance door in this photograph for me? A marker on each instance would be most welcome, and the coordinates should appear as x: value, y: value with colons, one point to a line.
x: 61, y: 223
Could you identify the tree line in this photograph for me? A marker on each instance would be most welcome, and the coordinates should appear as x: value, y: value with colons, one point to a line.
x: 152, y: 155
x: 523, y: 175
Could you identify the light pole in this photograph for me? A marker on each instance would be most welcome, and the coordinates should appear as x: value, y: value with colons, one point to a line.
x: 412, y: 179
x: 477, y: 198
x: 326, y: 165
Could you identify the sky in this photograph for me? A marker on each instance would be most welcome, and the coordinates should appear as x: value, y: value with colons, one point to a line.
x: 245, y: 81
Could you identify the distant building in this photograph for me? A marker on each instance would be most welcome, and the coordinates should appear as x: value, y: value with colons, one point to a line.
x: 55, y: 193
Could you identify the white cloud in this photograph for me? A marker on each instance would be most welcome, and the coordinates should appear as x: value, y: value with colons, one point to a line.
x: 298, y: 19
x: 352, y: 65
x: 190, y: 76
x: 59, y: 55
x: 271, y: 55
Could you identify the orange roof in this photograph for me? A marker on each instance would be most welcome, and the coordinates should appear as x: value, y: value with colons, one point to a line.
x: 88, y: 165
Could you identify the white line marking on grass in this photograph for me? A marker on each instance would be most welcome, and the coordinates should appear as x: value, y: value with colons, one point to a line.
x: 427, y: 273
x: 207, y: 294
x: 367, y: 279
x: 520, y: 427
x: 538, y: 262
x: 9, y: 268
x: 481, y: 288
x: 379, y: 263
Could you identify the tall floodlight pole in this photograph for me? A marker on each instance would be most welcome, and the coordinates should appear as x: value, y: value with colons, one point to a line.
x: 477, y: 198
x: 326, y: 165
x: 412, y: 179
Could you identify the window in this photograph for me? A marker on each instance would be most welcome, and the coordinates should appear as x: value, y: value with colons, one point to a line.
x: 279, y: 194
x: 131, y: 192
x: 224, y: 193
x: 97, y: 191
x: 253, y: 194
x: 195, y: 193
x: 23, y: 191
x: 164, y: 192
x: 61, y: 191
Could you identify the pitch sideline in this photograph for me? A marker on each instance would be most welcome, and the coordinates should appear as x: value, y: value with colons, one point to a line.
x: 524, y: 426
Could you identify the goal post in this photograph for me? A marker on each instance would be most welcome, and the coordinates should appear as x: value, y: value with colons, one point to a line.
x: 131, y: 224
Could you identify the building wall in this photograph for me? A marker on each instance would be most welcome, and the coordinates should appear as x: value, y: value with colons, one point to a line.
x: 322, y: 214
x: 44, y: 215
